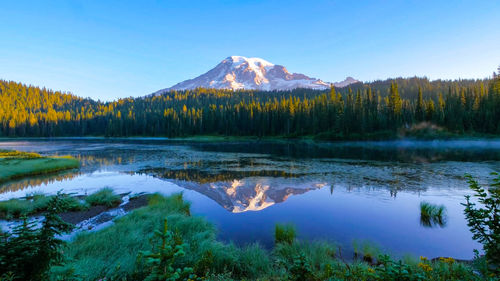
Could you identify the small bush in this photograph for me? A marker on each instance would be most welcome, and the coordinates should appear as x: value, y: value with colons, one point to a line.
x: 284, y: 233
x: 483, y: 220
x: 104, y: 197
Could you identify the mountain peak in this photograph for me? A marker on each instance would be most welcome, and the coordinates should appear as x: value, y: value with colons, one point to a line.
x: 241, y: 59
x: 239, y: 72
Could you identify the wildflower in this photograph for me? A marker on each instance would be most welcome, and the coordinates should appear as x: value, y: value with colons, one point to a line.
x: 422, y: 258
x: 371, y: 270
x: 447, y: 260
x: 425, y: 267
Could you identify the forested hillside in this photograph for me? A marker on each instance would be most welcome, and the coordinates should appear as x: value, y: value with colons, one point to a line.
x: 364, y: 110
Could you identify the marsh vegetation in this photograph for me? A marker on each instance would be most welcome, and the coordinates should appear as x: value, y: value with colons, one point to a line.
x: 37, y: 203
x: 432, y: 215
x: 162, y: 240
x: 324, y: 191
x: 17, y: 164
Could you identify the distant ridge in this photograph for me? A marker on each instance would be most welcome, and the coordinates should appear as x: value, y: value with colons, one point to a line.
x: 237, y: 72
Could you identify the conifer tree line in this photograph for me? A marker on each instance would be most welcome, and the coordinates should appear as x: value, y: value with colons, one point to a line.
x: 459, y: 106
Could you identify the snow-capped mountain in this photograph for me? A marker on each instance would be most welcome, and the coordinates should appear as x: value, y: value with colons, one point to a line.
x: 237, y: 72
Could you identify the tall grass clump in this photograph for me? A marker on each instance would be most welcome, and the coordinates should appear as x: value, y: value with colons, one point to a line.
x: 366, y: 250
x: 15, y: 208
x: 431, y: 214
x: 284, y: 233
x: 104, y: 197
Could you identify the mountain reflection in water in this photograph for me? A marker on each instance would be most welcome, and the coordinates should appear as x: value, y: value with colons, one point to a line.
x: 237, y: 191
x: 344, y: 191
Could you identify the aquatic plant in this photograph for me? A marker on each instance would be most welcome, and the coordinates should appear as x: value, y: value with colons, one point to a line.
x: 484, y: 220
x: 365, y: 250
x: 432, y: 214
x: 284, y: 233
x: 104, y: 197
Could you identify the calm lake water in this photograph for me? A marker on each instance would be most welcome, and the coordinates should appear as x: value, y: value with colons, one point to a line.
x: 342, y: 192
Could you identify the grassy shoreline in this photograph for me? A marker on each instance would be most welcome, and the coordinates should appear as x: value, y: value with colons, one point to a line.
x: 114, y: 253
x: 37, y: 203
x: 16, y: 164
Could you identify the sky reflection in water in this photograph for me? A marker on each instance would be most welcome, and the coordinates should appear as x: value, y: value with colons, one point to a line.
x: 339, y: 192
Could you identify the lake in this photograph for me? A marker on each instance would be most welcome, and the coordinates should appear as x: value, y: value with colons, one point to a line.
x: 346, y: 192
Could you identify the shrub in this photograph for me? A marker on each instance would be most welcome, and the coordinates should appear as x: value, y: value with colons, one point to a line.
x: 484, y: 220
x: 28, y: 253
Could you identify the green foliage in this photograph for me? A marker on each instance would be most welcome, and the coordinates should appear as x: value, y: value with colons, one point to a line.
x: 360, y: 111
x: 160, y: 263
x: 188, y: 246
x: 484, y: 219
x: 28, y: 253
x: 284, y: 233
x: 104, y: 197
x: 301, y: 269
x: 431, y: 214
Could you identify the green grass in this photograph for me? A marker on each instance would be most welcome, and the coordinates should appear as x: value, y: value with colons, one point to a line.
x: 112, y: 253
x: 18, y: 154
x: 16, y: 164
x: 104, y: 197
x: 33, y: 204
x: 37, y: 203
x: 431, y: 214
x: 284, y: 233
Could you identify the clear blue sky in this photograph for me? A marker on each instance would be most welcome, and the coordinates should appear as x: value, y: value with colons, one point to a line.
x: 111, y: 49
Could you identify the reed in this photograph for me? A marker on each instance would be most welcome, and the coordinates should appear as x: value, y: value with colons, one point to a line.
x: 432, y: 214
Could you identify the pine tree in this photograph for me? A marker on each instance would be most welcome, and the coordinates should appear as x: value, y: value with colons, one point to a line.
x: 419, y: 111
